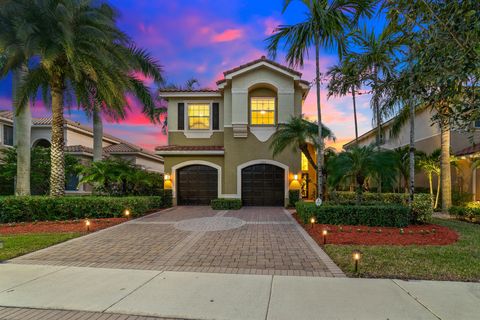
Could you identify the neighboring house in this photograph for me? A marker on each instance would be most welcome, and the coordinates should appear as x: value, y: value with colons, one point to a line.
x: 219, y: 140
x: 466, y: 146
x: 79, y: 142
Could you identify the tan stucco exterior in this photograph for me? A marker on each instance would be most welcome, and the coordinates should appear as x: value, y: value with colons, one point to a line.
x: 427, y: 139
x: 250, y: 147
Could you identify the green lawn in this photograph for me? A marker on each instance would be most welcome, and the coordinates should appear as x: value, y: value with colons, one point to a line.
x: 459, y: 261
x: 17, y: 245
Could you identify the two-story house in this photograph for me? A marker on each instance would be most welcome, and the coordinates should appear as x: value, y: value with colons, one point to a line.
x: 219, y: 140
x: 466, y: 146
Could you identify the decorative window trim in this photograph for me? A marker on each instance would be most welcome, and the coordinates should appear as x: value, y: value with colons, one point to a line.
x: 187, y: 115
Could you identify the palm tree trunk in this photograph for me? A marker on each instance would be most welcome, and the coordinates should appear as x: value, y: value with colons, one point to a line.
x: 97, y: 134
x: 430, y: 183
x: 355, y: 114
x: 57, y: 156
x: 319, y: 116
x: 438, y: 193
x: 22, y: 125
x: 446, y: 178
x: 412, y: 156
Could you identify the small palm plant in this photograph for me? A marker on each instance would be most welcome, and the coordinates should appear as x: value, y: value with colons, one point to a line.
x: 358, y: 164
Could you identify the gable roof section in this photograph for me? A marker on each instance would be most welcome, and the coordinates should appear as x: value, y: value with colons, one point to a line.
x: 262, y: 61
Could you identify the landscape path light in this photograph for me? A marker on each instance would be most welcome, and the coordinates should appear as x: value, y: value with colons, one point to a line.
x: 312, y: 222
x: 127, y: 213
x: 356, y: 257
x: 324, y: 234
x: 87, y: 224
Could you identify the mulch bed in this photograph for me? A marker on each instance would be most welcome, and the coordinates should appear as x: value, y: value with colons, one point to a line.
x: 427, y: 234
x: 58, y: 226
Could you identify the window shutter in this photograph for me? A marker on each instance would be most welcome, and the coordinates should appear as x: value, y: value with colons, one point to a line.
x: 181, y: 116
x: 216, y: 116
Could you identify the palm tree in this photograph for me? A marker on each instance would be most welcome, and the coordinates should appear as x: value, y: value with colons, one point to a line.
x: 325, y: 26
x: 401, y: 157
x: 358, y: 164
x: 81, y: 53
x: 376, y: 60
x: 14, y: 54
x: 430, y: 165
x: 298, y: 133
x: 345, y: 78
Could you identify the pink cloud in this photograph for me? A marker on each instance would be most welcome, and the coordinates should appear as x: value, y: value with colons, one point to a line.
x: 228, y: 35
x: 270, y: 24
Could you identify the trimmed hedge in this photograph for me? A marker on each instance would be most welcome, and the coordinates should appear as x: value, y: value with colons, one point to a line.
x: 293, y: 197
x: 43, y: 208
x: 226, y: 204
x: 368, y: 215
x: 369, y: 198
x: 471, y: 211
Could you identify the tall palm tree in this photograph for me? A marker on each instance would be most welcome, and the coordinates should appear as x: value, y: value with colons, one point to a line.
x: 84, y: 54
x: 359, y: 164
x: 376, y: 59
x: 345, y: 78
x: 298, y: 133
x: 14, y: 54
x: 325, y: 26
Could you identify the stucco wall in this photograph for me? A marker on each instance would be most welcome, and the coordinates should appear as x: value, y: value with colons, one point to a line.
x: 149, y: 164
x: 179, y: 138
x: 173, y: 110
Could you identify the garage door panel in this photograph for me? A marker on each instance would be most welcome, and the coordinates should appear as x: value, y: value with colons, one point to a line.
x: 197, y: 185
x: 263, y: 185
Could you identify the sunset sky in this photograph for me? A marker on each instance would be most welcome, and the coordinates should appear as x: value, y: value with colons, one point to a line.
x: 201, y: 39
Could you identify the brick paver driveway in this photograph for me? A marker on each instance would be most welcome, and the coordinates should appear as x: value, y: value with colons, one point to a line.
x: 250, y: 241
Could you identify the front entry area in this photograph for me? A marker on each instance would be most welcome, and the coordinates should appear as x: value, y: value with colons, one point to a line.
x: 196, y: 185
x: 263, y: 185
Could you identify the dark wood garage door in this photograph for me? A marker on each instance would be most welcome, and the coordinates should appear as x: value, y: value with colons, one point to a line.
x: 263, y: 185
x: 197, y: 185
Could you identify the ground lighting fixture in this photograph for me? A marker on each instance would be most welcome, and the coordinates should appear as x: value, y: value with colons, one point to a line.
x: 127, y: 213
x: 356, y: 254
x: 312, y: 222
x: 87, y: 224
x: 324, y: 234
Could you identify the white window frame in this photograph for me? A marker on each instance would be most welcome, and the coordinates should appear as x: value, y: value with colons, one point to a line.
x: 210, y: 122
x: 274, y: 112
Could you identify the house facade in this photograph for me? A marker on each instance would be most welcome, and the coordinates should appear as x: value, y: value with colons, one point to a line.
x: 465, y: 145
x: 219, y: 140
x: 79, y: 143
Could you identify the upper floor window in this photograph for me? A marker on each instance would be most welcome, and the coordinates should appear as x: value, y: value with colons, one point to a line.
x: 7, y: 135
x: 262, y: 111
x: 477, y: 123
x: 199, y: 116
x: 304, y: 163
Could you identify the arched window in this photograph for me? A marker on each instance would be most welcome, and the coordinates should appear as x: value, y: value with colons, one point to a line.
x: 43, y: 143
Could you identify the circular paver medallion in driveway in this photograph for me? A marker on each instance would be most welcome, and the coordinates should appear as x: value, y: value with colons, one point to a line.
x: 209, y: 224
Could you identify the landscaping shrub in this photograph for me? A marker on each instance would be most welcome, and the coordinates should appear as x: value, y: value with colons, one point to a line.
x: 226, y: 204
x: 422, y: 208
x: 42, y: 208
x: 471, y: 211
x: 369, y: 215
x: 345, y: 197
x: 293, y: 197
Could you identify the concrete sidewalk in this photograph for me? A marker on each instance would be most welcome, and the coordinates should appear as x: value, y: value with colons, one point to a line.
x: 232, y: 296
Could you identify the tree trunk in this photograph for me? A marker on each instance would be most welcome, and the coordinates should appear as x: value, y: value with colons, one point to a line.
x: 446, y: 178
x: 97, y: 134
x: 438, y: 192
x: 412, y: 156
x: 22, y: 120
x: 57, y: 156
x: 319, y: 115
x: 355, y: 115
x: 430, y: 184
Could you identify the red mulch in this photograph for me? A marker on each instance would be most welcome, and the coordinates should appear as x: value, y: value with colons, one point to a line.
x: 58, y: 226
x: 427, y: 234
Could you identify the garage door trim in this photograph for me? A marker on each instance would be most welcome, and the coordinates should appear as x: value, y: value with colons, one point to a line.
x: 261, y: 161
x: 195, y: 162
